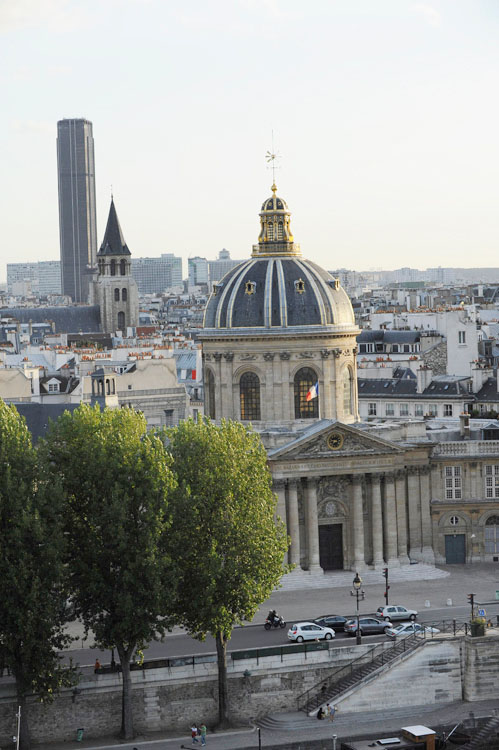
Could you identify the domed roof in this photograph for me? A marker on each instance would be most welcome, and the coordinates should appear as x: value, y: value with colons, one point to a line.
x: 275, y: 293
x: 277, y: 290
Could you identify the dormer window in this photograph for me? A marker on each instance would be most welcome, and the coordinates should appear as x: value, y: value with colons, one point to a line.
x: 54, y: 386
x: 300, y: 286
x: 250, y: 287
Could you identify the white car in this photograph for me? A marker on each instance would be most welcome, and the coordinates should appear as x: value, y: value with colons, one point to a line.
x: 309, y: 631
x: 407, y: 628
x: 396, y: 612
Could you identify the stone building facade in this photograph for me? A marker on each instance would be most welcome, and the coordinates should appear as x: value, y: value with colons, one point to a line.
x: 279, y: 350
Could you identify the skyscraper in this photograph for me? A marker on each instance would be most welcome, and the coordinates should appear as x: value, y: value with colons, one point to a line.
x: 77, y: 219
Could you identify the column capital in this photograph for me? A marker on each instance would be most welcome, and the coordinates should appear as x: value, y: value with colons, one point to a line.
x: 376, y: 477
x: 357, y: 479
x: 293, y: 482
x: 412, y: 471
x: 400, y: 474
x: 389, y: 476
x: 426, y: 469
x: 278, y: 484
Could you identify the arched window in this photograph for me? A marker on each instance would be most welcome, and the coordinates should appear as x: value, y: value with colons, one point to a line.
x: 270, y: 231
x: 122, y: 267
x: 121, y: 321
x: 116, y: 295
x: 492, y: 535
x: 209, y: 395
x: 108, y: 387
x: 113, y: 267
x: 280, y: 231
x: 124, y: 294
x: 249, y: 397
x: 304, y: 380
x: 348, y: 391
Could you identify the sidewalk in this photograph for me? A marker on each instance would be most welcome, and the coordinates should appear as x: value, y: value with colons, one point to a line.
x: 375, y: 724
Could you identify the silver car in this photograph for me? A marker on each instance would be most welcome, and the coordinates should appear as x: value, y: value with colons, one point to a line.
x: 395, y: 612
x: 408, y: 628
x: 309, y: 631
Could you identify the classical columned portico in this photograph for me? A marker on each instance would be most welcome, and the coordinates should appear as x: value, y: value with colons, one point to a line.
x: 312, y: 521
x: 377, y: 521
x: 414, y: 505
x: 390, y: 522
x: 293, y: 523
x: 358, y: 559
x: 279, y: 487
x: 428, y: 555
x: 401, y: 500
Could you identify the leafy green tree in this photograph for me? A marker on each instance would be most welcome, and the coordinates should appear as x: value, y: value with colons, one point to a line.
x: 116, y: 479
x: 229, y: 544
x: 32, y: 573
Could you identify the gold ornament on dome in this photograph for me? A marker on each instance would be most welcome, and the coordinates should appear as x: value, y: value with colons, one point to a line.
x: 335, y: 441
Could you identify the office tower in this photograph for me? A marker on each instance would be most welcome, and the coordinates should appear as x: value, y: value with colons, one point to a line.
x: 218, y: 268
x: 199, y: 272
x: 77, y: 219
x: 155, y: 275
x: 45, y: 276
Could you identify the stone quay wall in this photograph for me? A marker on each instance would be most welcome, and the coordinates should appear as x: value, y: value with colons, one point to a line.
x: 442, y: 670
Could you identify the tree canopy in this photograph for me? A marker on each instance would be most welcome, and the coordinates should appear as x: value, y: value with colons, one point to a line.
x: 227, y: 539
x: 32, y: 574
x: 116, y: 479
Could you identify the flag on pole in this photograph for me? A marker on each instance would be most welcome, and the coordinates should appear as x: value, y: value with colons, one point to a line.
x: 313, y: 392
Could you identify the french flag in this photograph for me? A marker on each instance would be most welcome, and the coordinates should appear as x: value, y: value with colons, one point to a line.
x: 313, y: 392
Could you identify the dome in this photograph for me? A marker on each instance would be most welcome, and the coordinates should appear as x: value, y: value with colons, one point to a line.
x: 277, y: 289
x: 278, y: 294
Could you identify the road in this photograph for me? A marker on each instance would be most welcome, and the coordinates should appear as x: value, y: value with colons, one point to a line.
x: 254, y: 636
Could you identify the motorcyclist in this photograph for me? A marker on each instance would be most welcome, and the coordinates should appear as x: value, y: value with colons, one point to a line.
x: 272, y: 616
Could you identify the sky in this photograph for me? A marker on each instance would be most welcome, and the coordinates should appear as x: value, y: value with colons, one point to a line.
x: 384, y: 114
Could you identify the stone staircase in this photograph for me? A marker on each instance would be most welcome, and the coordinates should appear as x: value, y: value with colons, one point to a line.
x: 483, y: 739
x: 303, y: 579
x: 342, y: 680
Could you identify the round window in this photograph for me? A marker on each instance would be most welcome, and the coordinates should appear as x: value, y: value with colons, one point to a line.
x: 454, y: 520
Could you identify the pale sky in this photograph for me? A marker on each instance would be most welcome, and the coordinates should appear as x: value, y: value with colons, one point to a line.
x: 385, y: 114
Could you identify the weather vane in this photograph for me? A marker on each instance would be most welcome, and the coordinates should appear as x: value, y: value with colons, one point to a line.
x: 271, y: 157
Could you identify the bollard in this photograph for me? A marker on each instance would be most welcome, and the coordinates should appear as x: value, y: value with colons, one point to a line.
x: 335, y: 737
x: 427, y: 603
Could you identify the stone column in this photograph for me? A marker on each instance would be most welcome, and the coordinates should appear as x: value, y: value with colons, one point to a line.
x: 312, y: 527
x: 294, y: 523
x: 414, y: 506
x: 358, y: 561
x: 428, y: 555
x: 279, y: 488
x: 400, y: 478
x: 377, y: 522
x: 390, y: 523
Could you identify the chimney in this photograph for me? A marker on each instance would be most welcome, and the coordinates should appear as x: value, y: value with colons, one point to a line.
x: 424, y: 377
x: 464, y: 425
x: 480, y: 373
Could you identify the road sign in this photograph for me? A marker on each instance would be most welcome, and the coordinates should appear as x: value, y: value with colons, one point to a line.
x: 481, y: 613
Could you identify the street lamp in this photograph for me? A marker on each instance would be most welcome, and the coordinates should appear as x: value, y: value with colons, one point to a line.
x: 357, y: 583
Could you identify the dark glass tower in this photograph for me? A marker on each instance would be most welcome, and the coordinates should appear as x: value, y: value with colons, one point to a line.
x: 77, y: 220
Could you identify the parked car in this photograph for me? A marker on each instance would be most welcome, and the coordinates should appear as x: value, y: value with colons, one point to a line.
x: 406, y: 628
x: 396, y: 612
x: 368, y: 626
x: 309, y: 631
x: 337, y: 622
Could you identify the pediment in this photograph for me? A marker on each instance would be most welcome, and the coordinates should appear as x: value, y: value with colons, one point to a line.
x: 335, y: 440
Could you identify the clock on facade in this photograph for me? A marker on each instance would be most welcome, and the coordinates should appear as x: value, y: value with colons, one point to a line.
x: 334, y: 441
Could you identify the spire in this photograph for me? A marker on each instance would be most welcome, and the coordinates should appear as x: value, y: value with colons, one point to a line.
x: 113, y: 242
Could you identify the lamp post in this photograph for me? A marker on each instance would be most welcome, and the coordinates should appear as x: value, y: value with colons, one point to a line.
x: 357, y: 583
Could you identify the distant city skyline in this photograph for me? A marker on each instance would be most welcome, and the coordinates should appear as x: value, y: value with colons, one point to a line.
x: 383, y: 114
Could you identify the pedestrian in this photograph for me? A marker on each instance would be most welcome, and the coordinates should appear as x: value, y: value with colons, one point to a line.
x: 331, y: 711
x: 194, y: 733
x: 203, y: 730
x: 97, y: 666
x: 320, y: 713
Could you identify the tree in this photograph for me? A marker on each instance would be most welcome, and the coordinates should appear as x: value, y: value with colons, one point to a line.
x: 229, y: 544
x: 32, y: 574
x: 116, y: 478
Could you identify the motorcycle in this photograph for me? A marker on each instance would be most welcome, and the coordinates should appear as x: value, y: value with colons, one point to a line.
x: 276, y: 622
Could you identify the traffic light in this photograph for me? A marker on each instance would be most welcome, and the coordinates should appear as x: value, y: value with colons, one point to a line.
x: 471, y: 599
x: 385, y: 573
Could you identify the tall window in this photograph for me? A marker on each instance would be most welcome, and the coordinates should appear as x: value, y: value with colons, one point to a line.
x: 249, y: 397
x: 124, y: 294
x: 447, y: 410
x: 453, y: 483
x: 371, y: 409
x: 492, y: 535
x: 492, y: 480
x: 121, y: 321
x: 348, y: 391
x: 116, y: 295
x: 209, y: 396
x: 113, y: 267
x: 122, y: 267
x: 304, y: 380
x: 461, y: 337
x: 280, y: 231
x: 404, y: 410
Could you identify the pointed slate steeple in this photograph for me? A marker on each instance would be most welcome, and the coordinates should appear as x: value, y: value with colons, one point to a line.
x: 113, y: 242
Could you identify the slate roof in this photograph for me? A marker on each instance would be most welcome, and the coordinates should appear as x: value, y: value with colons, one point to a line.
x: 407, y: 388
x: 67, y: 318
x: 66, y: 384
x: 389, y: 337
x: 38, y: 416
x: 113, y: 242
x: 488, y: 391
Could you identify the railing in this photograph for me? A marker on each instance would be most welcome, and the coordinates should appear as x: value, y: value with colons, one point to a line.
x: 467, y: 448
x: 281, y: 651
